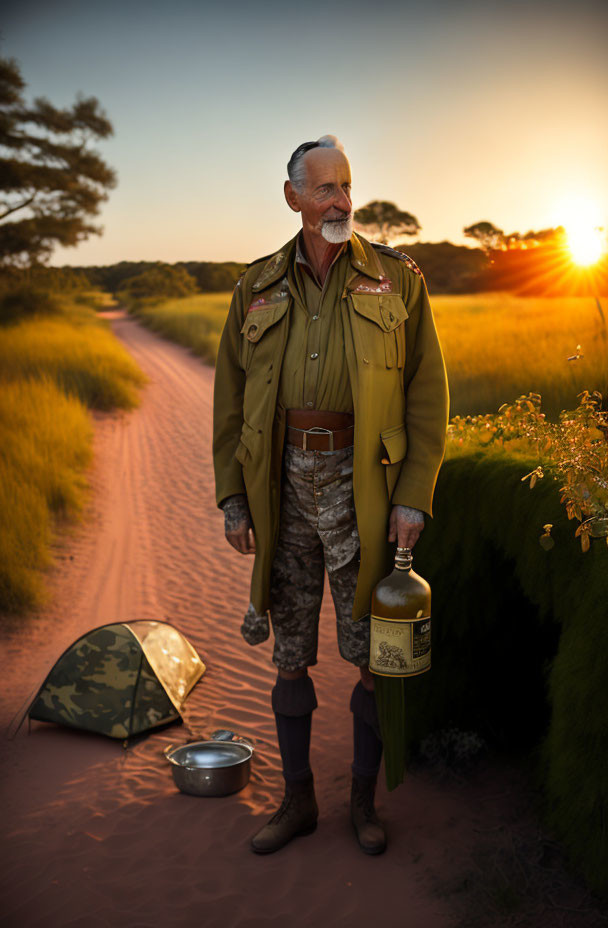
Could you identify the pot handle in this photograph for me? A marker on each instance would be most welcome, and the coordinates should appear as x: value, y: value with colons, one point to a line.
x: 167, y: 751
x: 224, y: 734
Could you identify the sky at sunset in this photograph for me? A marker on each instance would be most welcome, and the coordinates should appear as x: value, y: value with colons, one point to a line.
x: 457, y: 112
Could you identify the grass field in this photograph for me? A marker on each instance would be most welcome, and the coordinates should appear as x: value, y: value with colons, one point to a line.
x: 77, y: 350
x: 496, y: 345
x: 193, y: 321
x: 53, y: 368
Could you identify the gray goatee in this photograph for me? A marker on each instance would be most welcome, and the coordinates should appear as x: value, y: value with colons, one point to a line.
x: 335, y: 231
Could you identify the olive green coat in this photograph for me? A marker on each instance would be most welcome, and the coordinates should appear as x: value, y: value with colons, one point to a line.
x: 400, y: 399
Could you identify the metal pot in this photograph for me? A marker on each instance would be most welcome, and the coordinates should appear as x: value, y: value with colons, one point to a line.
x: 215, y: 767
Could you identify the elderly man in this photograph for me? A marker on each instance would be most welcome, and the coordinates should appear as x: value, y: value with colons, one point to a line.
x: 330, y: 419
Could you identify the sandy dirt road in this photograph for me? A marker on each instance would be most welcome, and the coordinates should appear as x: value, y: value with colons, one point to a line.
x: 97, y: 836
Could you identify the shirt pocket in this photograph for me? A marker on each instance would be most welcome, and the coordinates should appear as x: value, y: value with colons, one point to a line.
x: 381, y: 321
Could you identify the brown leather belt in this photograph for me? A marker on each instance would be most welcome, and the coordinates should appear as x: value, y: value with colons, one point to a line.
x: 320, y: 429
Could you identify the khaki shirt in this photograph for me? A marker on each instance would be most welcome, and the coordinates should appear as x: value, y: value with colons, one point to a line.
x: 315, y: 372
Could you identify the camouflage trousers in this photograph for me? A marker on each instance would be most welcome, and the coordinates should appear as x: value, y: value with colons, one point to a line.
x: 317, y: 531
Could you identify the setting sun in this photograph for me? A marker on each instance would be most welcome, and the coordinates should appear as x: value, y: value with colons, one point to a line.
x: 586, y: 236
x: 586, y: 243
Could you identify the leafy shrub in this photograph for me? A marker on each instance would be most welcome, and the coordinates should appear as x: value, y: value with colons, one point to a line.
x: 574, y: 450
x: 24, y: 301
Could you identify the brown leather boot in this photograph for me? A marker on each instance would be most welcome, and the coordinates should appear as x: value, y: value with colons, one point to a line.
x: 368, y: 827
x: 297, y: 815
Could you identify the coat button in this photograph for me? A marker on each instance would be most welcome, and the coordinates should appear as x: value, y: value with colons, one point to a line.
x: 316, y: 316
x: 314, y: 355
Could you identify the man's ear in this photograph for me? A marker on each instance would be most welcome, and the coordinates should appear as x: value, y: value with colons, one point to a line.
x: 293, y: 200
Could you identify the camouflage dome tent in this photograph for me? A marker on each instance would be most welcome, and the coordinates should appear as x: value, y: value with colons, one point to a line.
x: 120, y: 680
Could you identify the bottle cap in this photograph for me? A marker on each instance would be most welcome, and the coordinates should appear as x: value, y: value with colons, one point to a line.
x: 403, y: 558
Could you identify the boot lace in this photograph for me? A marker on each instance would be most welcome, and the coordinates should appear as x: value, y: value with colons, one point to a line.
x: 291, y: 803
x: 278, y: 815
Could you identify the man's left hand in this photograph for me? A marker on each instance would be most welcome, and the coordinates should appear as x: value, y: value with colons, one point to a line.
x: 405, y: 526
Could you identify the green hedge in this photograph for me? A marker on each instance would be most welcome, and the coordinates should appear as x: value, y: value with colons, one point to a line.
x: 519, y: 640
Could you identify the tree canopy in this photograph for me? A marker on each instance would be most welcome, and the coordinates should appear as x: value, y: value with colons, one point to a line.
x: 159, y: 281
x: 385, y: 222
x: 51, y: 181
x: 491, y: 238
x: 488, y: 235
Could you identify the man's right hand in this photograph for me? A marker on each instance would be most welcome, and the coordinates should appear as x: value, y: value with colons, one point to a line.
x: 238, y: 527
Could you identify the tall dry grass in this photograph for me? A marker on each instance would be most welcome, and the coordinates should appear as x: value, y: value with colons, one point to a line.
x: 498, y: 346
x: 53, y: 367
x: 46, y: 446
x: 78, y: 351
x: 194, y: 321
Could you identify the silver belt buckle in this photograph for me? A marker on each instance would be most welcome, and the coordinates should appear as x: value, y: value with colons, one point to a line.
x: 317, y: 429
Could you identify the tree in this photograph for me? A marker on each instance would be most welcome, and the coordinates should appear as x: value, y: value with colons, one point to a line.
x: 51, y: 181
x: 489, y: 236
x: 551, y: 236
x: 159, y: 281
x: 384, y: 221
x: 515, y: 241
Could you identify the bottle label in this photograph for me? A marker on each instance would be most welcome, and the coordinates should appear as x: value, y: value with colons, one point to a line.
x: 399, y: 649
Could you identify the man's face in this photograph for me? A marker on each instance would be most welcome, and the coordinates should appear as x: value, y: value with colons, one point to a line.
x: 325, y: 201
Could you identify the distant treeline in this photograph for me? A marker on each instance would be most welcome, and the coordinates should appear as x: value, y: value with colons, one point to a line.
x: 208, y: 276
x: 40, y: 277
x: 546, y: 270
x: 447, y: 268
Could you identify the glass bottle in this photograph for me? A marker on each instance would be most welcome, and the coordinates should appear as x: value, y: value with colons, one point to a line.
x: 400, y: 621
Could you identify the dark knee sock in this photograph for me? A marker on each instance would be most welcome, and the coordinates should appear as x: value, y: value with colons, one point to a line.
x: 293, y: 702
x: 367, y: 745
x: 294, y: 742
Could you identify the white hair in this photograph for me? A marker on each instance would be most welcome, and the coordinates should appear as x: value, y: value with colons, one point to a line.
x: 296, y: 169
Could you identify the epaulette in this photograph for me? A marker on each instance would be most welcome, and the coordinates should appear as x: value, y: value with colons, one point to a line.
x: 251, y: 263
x: 387, y: 250
x: 263, y: 258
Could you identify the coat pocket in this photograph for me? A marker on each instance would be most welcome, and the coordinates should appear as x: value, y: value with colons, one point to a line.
x: 381, y: 322
x: 394, y: 440
x: 245, y: 448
